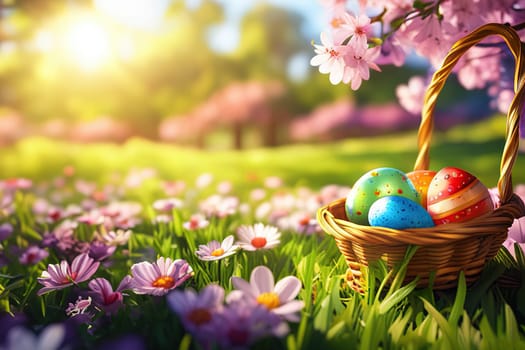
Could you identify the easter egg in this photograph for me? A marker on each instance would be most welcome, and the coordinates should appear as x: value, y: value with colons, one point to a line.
x: 455, y: 195
x: 375, y: 184
x: 398, y: 213
x: 421, y: 180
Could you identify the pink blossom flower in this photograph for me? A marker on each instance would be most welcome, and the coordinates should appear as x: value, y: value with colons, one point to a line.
x: 258, y: 236
x: 359, y: 64
x: 334, y: 5
x: 393, y: 51
x: 160, y: 277
x: 358, y: 29
x: 476, y: 73
x: 32, y: 255
x: 198, y: 310
x: 217, y: 251
x: 104, y: 297
x: 433, y: 38
x: 196, y: 222
x: 411, y: 96
x: 330, y: 58
x: 59, y: 276
x: 279, y: 298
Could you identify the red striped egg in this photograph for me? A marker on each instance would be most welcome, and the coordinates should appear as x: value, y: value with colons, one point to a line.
x: 455, y: 195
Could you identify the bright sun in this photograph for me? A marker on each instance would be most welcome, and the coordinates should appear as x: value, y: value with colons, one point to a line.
x: 93, y: 39
x: 88, y: 43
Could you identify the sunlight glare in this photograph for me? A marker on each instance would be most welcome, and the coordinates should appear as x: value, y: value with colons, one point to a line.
x: 88, y: 43
x: 144, y: 14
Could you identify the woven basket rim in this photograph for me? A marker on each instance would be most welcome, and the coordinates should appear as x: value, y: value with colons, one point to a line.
x: 485, y: 225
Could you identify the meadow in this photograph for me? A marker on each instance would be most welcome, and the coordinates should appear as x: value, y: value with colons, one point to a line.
x: 153, y: 246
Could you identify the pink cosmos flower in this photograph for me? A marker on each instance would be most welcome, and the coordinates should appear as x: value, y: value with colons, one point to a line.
x: 203, y: 180
x: 330, y: 58
x: 6, y: 230
x: 242, y: 323
x: 217, y: 251
x: 279, y: 298
x: 196, y: 221
x: 14, y: 184
x: 219, y: 206
x: 167, y: 205
x: 51, y: 338
x: 258, y: 236
x: 59, y: 276
x: 160, y: 277
x: 198, y: 310
x: 32, y: 255
x: 79, y: 310
x: 104, y: 297
x: 515, y: 236
x: 114, y: 237
x: 273, y: 182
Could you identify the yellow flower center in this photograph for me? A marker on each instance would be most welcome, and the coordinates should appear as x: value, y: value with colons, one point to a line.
x: 217, y: 252
x: 199, y: 316
x: 165, y: 282
x: 270, y: 300
x: 258, y: 242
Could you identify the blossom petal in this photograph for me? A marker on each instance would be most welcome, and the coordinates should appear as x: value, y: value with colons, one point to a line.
x: 317, y: 60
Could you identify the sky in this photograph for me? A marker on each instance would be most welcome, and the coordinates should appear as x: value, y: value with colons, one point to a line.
x: 225, y: 37
x: 228, y: 32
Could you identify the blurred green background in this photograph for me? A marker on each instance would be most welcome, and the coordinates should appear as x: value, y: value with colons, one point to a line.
x: 183, y: 86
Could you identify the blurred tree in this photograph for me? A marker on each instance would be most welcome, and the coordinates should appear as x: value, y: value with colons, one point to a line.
x: 170, y: 70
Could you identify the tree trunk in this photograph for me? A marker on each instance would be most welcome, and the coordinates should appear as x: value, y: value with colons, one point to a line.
x: 237, y: 135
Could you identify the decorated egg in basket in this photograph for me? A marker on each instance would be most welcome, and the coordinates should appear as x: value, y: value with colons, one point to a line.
x: 455, y: 195
x: 375, y: 184
x: 398, y: 213
x: 421, y: 180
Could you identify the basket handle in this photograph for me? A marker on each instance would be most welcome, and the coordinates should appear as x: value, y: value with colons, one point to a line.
x: 510, y: 150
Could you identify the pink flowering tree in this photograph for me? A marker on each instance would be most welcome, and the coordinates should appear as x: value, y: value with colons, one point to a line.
x: 378, y: 32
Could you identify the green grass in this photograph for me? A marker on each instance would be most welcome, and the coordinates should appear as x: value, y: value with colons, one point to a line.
x: 476, y: 148
x: 394, y: 316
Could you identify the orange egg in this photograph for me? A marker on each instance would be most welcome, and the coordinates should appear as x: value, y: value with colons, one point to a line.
x: 421, y: 180
x: 455, y: 195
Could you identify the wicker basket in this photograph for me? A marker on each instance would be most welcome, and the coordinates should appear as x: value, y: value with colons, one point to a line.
x: 444, y: 250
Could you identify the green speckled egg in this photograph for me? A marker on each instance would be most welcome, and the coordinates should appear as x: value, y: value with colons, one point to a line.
x: 375, y: 184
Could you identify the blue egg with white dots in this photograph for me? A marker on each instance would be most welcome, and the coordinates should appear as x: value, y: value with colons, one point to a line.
x: 398, y: 213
